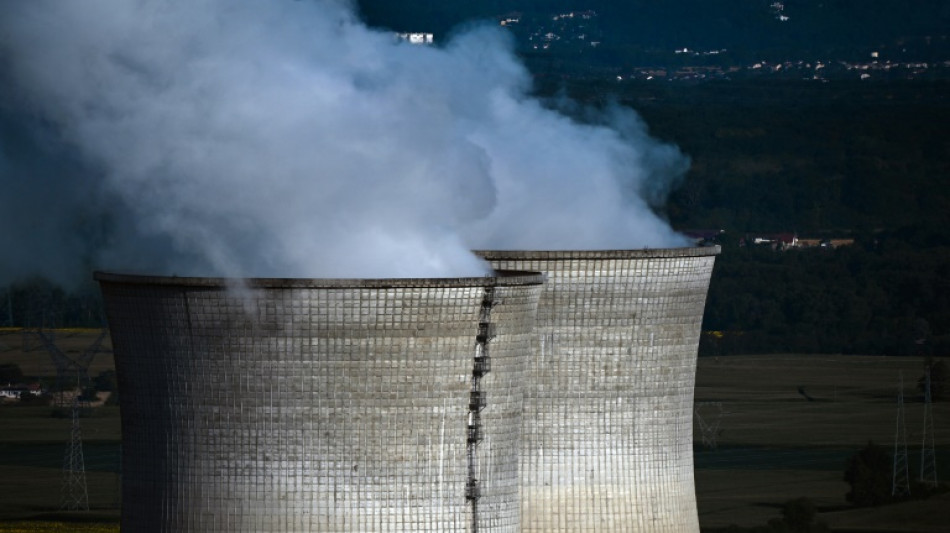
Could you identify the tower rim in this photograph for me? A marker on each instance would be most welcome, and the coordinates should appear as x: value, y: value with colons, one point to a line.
x: 501, y: 278
x: 643, y: 253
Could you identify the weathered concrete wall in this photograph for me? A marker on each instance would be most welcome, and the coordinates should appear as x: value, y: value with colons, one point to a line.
x: 608, y: 410
x: 314, y: 405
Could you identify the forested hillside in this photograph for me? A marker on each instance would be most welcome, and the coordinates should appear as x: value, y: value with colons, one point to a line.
x: 868, y: 162
x: 803, y: 157
x: 888, y: 295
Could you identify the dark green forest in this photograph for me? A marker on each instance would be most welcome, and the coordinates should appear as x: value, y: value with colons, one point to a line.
x: 870, y: 162
x: 888, y: 294
x: 797, y: 156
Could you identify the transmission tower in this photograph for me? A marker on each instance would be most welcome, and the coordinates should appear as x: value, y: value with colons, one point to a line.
x: 70, y: 370
x: 928, y: 459
x: 709, y: 431
x: 900, y: 485
x: 75, y: 495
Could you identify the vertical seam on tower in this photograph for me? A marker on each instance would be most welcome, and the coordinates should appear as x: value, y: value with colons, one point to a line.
x: 478, y: 400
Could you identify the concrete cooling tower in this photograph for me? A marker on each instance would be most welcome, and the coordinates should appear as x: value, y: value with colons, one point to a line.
x: 607, y: 441
x: 321, y: 405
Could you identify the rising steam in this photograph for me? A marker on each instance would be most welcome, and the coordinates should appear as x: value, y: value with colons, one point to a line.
x: 285, y: 138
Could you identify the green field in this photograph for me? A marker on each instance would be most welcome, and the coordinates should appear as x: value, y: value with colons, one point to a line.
x: 32, y: 449
x: 773, y: 444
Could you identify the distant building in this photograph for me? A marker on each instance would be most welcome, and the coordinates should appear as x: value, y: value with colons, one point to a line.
x: 824, y: 243
x: 16, y: 391
x: 778, y: 241
x: 510, y: 19
x: 416, y: 38
x: 784, y: 241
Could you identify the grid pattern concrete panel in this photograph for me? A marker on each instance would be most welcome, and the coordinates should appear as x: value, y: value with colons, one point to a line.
x: 607, y: 440
x: 319, y: 405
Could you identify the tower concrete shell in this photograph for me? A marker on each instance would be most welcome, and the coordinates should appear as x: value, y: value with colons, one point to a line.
x: 607, y: 440
x: 321, y: 405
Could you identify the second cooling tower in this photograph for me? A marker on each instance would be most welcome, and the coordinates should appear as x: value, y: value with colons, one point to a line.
x: 321, y: 405
x: 607, y: 442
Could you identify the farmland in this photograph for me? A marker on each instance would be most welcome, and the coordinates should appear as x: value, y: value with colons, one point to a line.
x: 774, y: 444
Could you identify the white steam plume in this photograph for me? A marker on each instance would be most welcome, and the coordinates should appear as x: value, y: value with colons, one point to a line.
x: 285, y: 138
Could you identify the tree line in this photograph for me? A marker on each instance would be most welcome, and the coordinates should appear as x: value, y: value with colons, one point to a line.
x: 888, y: 294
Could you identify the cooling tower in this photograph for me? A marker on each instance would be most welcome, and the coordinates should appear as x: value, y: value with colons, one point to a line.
x: 321, y: 405
x: 607, y: 441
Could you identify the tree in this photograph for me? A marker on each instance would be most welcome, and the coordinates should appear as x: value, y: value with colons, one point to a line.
x: 105, y: 381
x: 798, y: 516
x: 870, y: 475
x: 88, y: 395
x: 10, y: 373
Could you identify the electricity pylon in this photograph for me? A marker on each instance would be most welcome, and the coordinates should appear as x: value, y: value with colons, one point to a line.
x: 709, y: 430
x: 900, y: 485
x: 75, y: 494
x: 70, y: 369
x: 928, y: 459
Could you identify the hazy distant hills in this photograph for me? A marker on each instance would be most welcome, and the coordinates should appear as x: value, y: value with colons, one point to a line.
x: 749, y: 29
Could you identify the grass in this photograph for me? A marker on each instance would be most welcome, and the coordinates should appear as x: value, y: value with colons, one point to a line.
x: 751, y: 497
x: 853, y: 399
x: 923, y: 516
x: 34, y: 493
x: 36, y: 424
x: 775, y: 445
